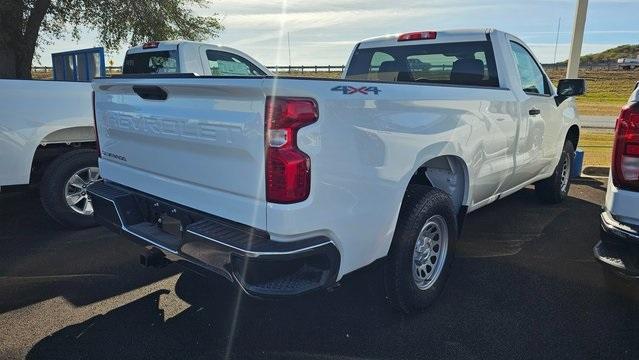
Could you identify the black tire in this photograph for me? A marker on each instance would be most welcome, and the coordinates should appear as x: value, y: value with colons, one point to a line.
x: 53, y: 185
x: 420, y: 204
x: 550, y: 190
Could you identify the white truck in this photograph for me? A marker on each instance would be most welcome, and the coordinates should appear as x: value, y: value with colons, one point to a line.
x: 628, y: 63
x: 284, y: 185
x: 619, y: 245
x: 46, y: 127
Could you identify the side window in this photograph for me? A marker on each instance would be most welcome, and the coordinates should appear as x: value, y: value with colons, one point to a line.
x: 532, y: 78
x: 226, y: 64
x: 380, y: 69
x: 378, y: 58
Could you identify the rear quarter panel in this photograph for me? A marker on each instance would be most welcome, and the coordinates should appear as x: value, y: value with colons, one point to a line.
x: 31, y: 110
x: 365, y: 148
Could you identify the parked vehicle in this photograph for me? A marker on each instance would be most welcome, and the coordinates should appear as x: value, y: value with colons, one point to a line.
x: 628, y: 63
x: 52, y: 145
x: 619, y: 245
x: 166, y: 57
x: 284, y: 185
x: 47, y: 139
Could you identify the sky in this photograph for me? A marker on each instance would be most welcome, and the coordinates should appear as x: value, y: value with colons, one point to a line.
x: 323, y: 32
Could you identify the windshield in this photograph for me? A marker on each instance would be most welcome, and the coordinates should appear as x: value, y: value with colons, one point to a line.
x: 155, y: 62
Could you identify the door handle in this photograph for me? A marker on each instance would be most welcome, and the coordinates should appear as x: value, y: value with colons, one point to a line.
x: 534, y: 111
x: 150, y: 92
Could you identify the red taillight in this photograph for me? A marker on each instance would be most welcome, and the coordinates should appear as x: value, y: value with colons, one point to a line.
x: 151, y: 45
x: 95, y: 126
x: 288, y: 169
x: 420, y: 35
x: 625, y: 152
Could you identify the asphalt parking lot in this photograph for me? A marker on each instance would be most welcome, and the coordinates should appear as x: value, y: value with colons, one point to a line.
x: 524, y: 285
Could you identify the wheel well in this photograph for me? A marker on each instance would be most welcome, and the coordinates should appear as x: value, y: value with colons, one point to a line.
x: 447, y: 173
x: 45, y: 154
x: 573, y: 135
x: 78, y: 134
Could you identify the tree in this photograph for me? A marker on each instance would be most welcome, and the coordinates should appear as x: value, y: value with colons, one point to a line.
x: 26, y: 24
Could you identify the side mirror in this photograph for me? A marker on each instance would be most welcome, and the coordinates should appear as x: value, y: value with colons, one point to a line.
x: 570, y: 87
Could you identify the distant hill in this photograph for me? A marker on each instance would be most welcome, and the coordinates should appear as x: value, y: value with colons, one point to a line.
x: 610, y: 55
x: 623, y: 51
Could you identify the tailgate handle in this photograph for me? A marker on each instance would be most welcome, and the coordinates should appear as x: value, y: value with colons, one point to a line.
x: 150, y: 92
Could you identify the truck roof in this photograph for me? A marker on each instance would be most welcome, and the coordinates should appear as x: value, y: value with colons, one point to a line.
x: 165, y: 44
x: 443, y: 36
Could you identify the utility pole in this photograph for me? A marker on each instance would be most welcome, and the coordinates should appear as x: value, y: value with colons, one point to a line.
x: 577, y: 39
x: 557, y: 42
x: 289, y: 48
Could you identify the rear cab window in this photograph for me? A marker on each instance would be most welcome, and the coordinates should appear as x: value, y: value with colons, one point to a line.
x: 462, y: 63
x: 151, y: 62
x: 223, y: 63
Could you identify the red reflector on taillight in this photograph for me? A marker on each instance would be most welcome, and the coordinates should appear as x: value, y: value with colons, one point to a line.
x: 420, y: 35
x: 151, y: 45
x: 288, y: 169
x: 95, y: 126
x: 625, y: 152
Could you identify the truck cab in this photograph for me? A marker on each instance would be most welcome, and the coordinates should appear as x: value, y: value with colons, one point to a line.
x: 165, y: 57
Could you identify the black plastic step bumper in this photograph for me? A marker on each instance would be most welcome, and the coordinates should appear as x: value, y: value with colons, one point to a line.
x: 619, y: 246
x: 617, y: 230
x: 261, y: 266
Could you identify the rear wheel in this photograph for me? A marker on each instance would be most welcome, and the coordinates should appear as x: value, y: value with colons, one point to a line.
x: 63, y: 188
x: 555, y: 189
x: 422, y: 249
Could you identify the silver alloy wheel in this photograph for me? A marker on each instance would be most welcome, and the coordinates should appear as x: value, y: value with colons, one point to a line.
x: 75, y: 190
x: 565, y: 173
x: 429, y: 255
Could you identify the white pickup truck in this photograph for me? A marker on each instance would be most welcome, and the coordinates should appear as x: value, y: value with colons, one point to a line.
x: 46, y: 127
x: 619, y: 245
x: 285, y: 185
x: 628, y: 63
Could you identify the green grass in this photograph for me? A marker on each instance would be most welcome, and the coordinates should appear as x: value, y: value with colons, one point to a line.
x: 607, y: 90
x: 597, y: 146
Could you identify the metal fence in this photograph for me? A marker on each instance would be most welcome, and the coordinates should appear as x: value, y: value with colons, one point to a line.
x: 301, y: 69
x: 307, y: 68
x: 611, y: 65
x: 276, y: 68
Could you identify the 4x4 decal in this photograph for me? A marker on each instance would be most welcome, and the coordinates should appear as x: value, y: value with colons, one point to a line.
x: 350, y: 90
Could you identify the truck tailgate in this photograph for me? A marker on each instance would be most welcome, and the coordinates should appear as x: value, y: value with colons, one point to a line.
x: 190, y: 141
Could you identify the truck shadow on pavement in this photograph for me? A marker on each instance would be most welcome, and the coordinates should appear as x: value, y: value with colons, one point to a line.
x: 41, y: 260
x: 525, y: 284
